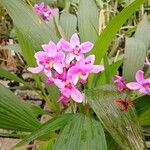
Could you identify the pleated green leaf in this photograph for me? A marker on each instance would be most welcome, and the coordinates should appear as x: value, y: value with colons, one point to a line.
x: 103, y: 41
x: 14, y: 114
x: 142, y: 105
x: 82, y: 133
x: 123, y: 126
x: 88, y: 20
x: 47, y: 128
x: 26, y: 20
x: 111, y: 144
x: 143, y: 31
x: 135, y: 53
x: 68, y: 23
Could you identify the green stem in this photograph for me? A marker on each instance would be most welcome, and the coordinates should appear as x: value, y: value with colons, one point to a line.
x: 67, y: 5
x: 107, y: 71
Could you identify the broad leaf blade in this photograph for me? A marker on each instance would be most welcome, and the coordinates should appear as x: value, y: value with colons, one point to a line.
x: 123, y: 126
x: 15, y: 115
x: 135, y: 53
x: 143, y: 31
x: 68, y: 23
x: 88, y: 20
x: 82, y: 133
x: 142, y: 106
x: 47, y: 128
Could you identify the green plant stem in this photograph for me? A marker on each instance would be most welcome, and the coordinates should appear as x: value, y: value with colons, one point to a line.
x: 67, y: 5
x: 106, y: 66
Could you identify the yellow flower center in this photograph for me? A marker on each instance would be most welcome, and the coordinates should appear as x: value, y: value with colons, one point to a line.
x: 51, y: 63
x: 80, y: 75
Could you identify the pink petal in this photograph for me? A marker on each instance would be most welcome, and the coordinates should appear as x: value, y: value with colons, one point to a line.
x: 69, y: 58
x: 79, y: 57
x: 75, y: 79
x: 133, y: 85
x: 66, y: 92
x: 144, y: 90
x: 50, y: 48
x: 54, y: 11
x: 41, y: 55
x: 47, y: 72
x: 59, y: 83
x: 35, y: 69
x: 117, y: 79
x: 85, y: 77
x: 75, y: 40
x: 139, y: 76
x: 58, y: 67
x: 90, y: 59
x: 121, y: 86
x: 50, y: 80
x: 86, y: 47
x: 64, y: 100
x: 60, y: 57
x: 97, y: 68
x: 66, y: 45
x: 76, y: 95
x: 59, y: 46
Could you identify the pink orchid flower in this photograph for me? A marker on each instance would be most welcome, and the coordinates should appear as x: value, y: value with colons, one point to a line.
x: 147, y: 62
x: 64, y: 100
x: 45, y: 11
x: 121, y: 83
x: 68, y: 89
x: 82, y: 69
x: 143, y: 85
x: 49, y: 59
x: 75, y: 48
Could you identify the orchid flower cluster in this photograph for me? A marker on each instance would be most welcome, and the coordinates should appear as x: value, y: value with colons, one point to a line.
x: 141, y: 84
x: 45, y: 11
x: 66, y: 66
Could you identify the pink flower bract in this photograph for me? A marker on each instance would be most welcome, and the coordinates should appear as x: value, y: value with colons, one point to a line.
x: 121, y: 83
x: 45, y: 11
